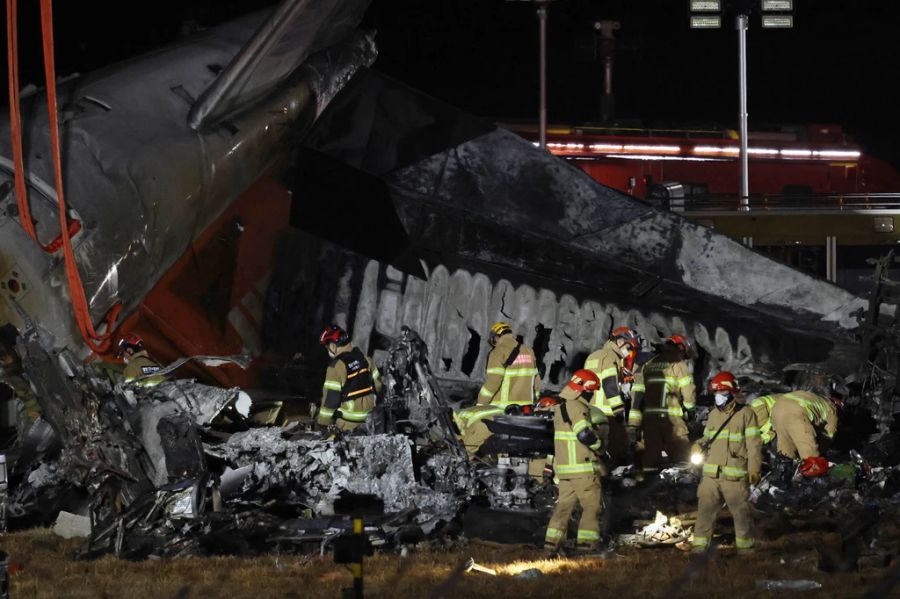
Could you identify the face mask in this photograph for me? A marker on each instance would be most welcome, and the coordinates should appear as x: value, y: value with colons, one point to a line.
x: 721, y: 399
x: 624, y: 350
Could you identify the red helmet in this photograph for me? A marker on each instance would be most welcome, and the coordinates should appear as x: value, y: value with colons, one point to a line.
x: 682, y: 343
x: 724, y: 382
x: 814, y: 466
x: 132, y: 342
x: 334, y: 334
x: 629, y: 335
x: 584, y: 380
x: 547, y: 402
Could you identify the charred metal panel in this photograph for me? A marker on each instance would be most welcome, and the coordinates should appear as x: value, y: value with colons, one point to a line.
x: 143, y: 184
x: 507, y: 231
x: 375, y: 300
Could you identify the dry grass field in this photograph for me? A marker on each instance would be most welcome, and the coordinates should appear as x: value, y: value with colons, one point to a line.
x: 44, y: 567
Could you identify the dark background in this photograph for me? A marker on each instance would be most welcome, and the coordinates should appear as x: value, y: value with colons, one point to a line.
x: 835, y: 66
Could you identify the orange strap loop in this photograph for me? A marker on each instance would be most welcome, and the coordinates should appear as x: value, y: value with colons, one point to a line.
x: 80, y: 307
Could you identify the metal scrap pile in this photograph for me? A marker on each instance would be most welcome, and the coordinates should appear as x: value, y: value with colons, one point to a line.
x: 663, y: 530
x: 174, y: 469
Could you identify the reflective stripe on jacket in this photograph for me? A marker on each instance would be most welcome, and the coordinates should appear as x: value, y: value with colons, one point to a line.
x: 516, y: 384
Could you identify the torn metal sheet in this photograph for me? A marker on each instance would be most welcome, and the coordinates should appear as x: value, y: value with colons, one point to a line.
x: 242, y: 360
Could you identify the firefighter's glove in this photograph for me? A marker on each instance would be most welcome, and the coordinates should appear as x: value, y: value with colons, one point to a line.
x: 619, y: 416
x: 548, y: 473
x: 690, y: 415
x: 754, y: 478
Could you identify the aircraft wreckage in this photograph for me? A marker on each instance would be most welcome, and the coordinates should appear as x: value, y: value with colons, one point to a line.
x: 271, y: 145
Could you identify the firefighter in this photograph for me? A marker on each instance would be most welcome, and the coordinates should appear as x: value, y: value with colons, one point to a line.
x: 663, y: 400
x: 511, y: 382
x: 351, y: 382
x: 138, y: 362
x: 731, y: 454
x: 804, y: 422
x: 607, y: 363
x: 577, y: 440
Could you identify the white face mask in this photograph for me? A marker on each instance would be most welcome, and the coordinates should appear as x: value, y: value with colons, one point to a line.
x: 721, y: 399
x: 623, y: 350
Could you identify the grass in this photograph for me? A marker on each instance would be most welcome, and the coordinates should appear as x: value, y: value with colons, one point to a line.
x: 46, y: 569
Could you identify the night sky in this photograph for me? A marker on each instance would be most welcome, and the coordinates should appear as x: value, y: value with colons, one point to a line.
x: 836, y: 66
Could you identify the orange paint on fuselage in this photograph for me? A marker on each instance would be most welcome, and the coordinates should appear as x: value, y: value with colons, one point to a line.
x: 219, y: 281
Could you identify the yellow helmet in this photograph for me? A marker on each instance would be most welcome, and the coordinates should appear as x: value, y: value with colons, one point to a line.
x: 500, y: 328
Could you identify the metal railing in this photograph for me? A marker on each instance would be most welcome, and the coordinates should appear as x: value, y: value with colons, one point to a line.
x: 812, y: 203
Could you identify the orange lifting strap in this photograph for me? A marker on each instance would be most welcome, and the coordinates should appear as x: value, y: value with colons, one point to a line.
x: 98, y: 343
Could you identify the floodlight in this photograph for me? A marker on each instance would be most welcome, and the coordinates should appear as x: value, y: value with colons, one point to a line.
x: 778, y: 21
x: 705, y: 5
x: 706, y: 22
x: 777, y: 5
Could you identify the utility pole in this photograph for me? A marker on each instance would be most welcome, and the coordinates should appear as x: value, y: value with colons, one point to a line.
x: 742, y: 23
x: 542, y: 35
x: 541, y: 6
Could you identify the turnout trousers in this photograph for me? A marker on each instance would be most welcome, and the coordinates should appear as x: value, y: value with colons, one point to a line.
x: 586, y: 491
x: 665, y: 433
x: 736, y: 494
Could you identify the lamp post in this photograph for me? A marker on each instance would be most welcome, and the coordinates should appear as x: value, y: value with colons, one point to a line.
x: 742, y: 22
x: 776, y: 14
x: 542, y: 35
x: 541, y: 6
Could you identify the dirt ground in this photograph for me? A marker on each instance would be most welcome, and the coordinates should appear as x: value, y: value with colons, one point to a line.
x: 43, y: 567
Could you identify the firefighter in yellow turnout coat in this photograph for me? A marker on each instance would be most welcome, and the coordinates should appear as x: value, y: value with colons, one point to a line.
x: 803, y: 422
x: 663, y: 398
x: 606, y: 363
x: 512, y: 379
x: 577, y: 443
x: 351, y: 382
x: 731, y: 452
x: 138, y: 363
